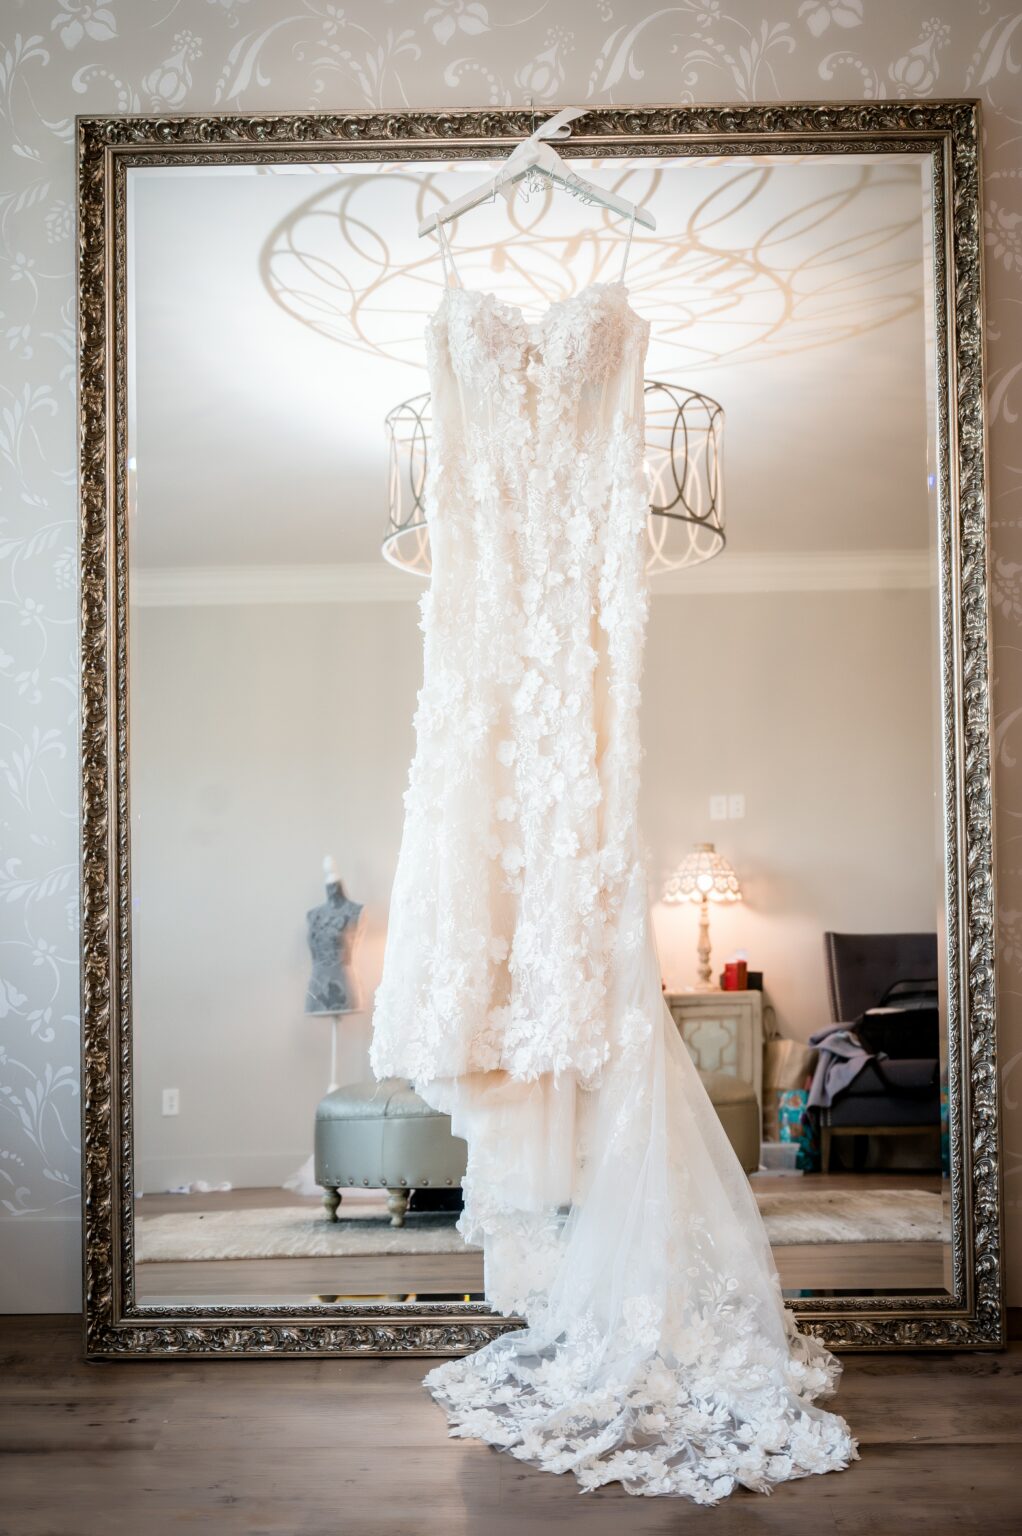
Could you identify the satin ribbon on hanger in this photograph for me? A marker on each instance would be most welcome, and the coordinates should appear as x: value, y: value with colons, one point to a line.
x: 553, y: 128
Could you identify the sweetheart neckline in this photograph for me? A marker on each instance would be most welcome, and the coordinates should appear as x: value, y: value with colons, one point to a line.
x: 552, y: 308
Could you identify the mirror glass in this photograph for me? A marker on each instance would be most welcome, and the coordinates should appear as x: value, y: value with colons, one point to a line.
x: 790, y: 717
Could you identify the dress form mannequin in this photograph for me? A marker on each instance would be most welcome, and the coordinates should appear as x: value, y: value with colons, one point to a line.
x: 332, y: 930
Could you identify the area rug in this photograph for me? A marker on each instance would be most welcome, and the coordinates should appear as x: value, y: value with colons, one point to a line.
x: 289, y: 1232
x: 876, y: 1216
x: 838, y: 1216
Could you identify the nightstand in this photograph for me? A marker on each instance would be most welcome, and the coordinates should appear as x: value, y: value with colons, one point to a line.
x: 724, y: 1033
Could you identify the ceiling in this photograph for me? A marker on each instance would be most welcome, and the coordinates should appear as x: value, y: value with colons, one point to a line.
x: 275, y: 317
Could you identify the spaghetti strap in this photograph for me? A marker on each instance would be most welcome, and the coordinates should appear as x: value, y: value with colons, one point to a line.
x: 628, y: 247
x: 447, y: 258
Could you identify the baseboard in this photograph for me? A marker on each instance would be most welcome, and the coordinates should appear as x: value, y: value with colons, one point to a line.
x: 243, y: 1170
x: 41, y: 1263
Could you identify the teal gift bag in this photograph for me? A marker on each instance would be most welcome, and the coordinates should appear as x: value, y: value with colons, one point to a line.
x: 796, y: 1124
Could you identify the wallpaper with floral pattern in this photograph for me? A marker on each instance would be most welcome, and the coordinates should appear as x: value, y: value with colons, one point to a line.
x: 62, y: 57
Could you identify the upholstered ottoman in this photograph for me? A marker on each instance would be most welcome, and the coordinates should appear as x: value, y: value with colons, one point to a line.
x: 738, y: 1111
x: 383, y: 1136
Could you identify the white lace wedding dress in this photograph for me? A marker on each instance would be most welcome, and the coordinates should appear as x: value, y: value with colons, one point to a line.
x: 521, y: 988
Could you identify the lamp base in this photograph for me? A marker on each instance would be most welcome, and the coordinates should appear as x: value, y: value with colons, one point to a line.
x: 705, y: 982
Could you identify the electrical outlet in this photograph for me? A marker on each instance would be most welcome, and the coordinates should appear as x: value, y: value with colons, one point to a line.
x: 171, y: 1101
x: 718, y: 807
x: 736, y: 807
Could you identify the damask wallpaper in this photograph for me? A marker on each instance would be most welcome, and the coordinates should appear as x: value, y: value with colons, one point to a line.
x: 62, y: 57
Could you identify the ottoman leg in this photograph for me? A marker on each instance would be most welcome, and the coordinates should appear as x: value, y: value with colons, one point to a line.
x: 332, y: 1199
x: 397, y: 1204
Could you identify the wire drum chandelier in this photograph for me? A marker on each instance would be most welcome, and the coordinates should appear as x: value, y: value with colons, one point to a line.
x: 684, y: 437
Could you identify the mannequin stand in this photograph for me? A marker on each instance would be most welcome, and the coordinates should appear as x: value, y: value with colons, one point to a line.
x: 334, y: 1017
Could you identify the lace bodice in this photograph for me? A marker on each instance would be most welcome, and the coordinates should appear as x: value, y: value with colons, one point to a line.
x: 488, y: 344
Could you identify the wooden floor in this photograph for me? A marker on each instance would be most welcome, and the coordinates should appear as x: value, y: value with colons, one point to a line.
x: 321, y: 1447
x: 862, y: 1267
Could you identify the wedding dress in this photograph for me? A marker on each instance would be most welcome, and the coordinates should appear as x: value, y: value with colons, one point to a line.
x: 521, y: 989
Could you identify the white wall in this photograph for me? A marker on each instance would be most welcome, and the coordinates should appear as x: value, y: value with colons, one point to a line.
x: 264, y: 737
x: 817, y: 706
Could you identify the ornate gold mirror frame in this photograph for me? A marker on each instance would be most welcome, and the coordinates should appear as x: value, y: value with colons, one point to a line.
x: 948, y: 133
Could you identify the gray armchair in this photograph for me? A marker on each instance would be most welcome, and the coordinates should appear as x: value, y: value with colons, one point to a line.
x: 897, y: 1091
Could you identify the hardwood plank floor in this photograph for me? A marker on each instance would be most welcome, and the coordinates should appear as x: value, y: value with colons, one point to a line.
x: 321, y: 1447
x: 862, y: 1267
x: 297, y: 1280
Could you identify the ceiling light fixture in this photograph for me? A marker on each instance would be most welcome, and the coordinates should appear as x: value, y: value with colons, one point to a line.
x: 684, y: 441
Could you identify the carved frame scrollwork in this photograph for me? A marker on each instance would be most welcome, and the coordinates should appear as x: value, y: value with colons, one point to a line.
x: 971, y: 1314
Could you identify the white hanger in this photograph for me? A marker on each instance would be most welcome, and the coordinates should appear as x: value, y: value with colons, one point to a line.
x: 535, y: 155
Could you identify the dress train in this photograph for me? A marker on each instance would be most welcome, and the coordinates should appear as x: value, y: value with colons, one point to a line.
x: 618, y: 1222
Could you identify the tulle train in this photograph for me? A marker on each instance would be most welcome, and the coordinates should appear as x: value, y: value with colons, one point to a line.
x: 619, y: 1224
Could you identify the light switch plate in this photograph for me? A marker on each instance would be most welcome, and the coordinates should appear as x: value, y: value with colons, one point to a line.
x: 171, y: 1101
x: 736, y: 807
x: 718, y: 807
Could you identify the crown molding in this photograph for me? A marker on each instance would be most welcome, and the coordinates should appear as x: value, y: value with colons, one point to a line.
x: 244, y: 586
x: 802, y: 571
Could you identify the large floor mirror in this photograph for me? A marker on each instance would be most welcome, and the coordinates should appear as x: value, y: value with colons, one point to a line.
x: 815, y: 800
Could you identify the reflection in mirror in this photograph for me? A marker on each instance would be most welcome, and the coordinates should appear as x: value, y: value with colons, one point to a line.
x: 790, y: 704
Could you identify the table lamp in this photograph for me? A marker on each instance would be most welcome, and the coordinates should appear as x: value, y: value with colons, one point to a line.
x: 703, y: 875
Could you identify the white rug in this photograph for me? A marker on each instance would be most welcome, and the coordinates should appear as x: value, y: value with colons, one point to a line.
x: 876, y: 1216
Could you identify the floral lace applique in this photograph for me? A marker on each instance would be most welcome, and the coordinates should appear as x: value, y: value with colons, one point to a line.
x: 521, y: 990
